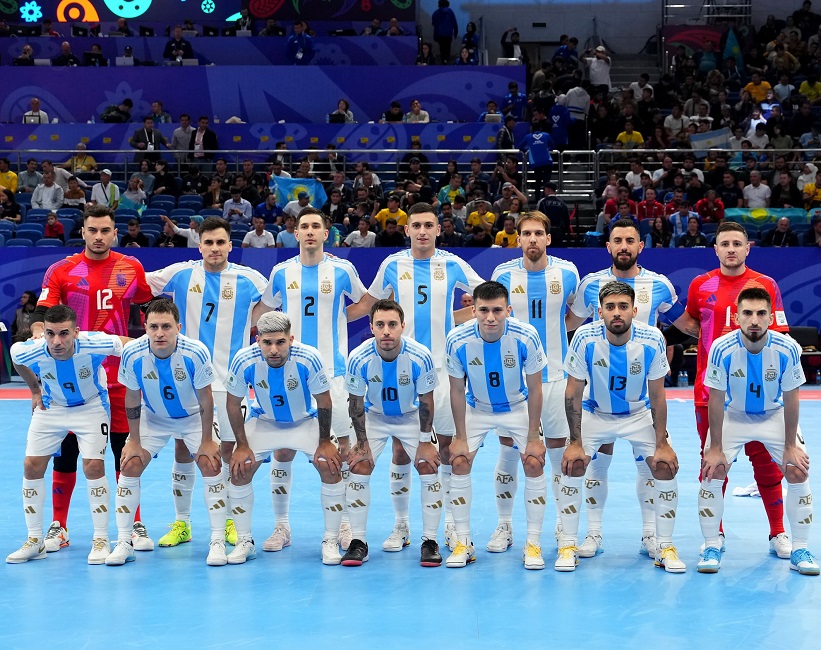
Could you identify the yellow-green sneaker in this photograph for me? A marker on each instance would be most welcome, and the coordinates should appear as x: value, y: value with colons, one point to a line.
x: 179, y: 534
x: 230, y: 532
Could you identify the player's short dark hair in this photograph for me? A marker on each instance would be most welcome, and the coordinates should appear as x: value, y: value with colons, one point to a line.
x: 755, y: 293
x: 133, y: 222
x: 387, y: 305
x: 98, y: 211
x: 163, y: 306
x: 60, y: 314
x: 624, y: 223
x: 730, y: 226
x: 214, y: 223
x: 491, y: 291
x: 616, y: 288
x: 416, y: 208
x: 309, y: 209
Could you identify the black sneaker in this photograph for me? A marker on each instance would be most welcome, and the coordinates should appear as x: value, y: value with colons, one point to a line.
x: 430, y: 553
x: 357, y: 553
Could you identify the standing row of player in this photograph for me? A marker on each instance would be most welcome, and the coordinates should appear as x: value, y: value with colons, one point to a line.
x: 503, y: 375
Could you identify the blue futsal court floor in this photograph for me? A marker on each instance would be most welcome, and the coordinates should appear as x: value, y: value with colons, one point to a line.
x: 171, y: 598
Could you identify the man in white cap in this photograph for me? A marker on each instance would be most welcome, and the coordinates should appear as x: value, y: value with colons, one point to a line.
x: 599, y: 64
x: 105, y: 192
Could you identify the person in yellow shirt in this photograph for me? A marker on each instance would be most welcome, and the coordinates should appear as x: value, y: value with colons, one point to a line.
x: 8, y: 179
x: 811, y: 90
x: 508, y: 237
x: 812, y: 193
x: 758, y: 88
x: 482, y: 216
x: 80, y: 161
x: 391, y: 212
x: 629, y: 138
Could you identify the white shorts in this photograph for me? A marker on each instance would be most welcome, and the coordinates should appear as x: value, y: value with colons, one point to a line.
x: 381, y: 428
x: 602, y: 428
x: 443, y: 423
x: 554, y: 418
x: 769, y: 430
x: 222, y: 424
x: 266, y: 436
x: 89, y: 422
x: 513, y: 424
x: 341, y: 425
x: 156, y: 431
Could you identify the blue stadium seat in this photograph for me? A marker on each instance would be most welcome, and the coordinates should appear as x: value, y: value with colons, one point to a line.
x: 151, y: 227
x: 152, y: 212
x: 126, y: 212
x: 645, y: 226
x: 24, y: 198
x: 240, y: 228
x: 191, y: 201
x: 68, y: 225
x: 210, y: 212
x: 30, y: 235
x: 163, y: 198
x: 70, y: 213
x: 151, y: 218
x: 182, y: 212
x: 237, y: 242
x: 7, y: 227
x: 36, y: 212
x: 48, y: 242
x: 709, y: 228
x: 2, y: 240
x: 31, y: 227
x: 20, y: 242
x: 76, y: 242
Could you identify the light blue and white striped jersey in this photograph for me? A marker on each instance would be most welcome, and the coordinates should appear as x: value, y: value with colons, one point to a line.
x: 540, y: 298
x: 215, y: 308
x: 495, y: 371
x: 78, y: 380
x: 314, y: 299
x: 754, y: 383
x: 426, y: 290
x: 168, y: 386
x: 655, y: 296
x: 281, y: 394
x: 616, y: 375
x: 391, y: 387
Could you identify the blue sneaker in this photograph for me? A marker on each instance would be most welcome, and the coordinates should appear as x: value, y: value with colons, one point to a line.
x: 710, y: 561
x: 802, y: 560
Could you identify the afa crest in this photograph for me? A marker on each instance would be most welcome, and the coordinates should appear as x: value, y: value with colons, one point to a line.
x: 635, y: 368
x: 438, y: 274
x: 770, y: 374
x: 643, y: 297
x: 555, y: 287
x: 121, y: 281
x: 292, y: 383
x: 326, y: 287
x: 509, y: 361
x: 179, y: 374
x: 404, y: 380
x: 227, y: 292
x: 84, y: 373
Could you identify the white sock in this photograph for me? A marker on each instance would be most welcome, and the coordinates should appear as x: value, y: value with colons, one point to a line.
x: 34, y: 500
x: 281, y: 478
x: 646, y: 491
x: 570, y: 503
x: 710, y: 511
x: 461, y: 496
x: 431, y: 493
x: 216, y: 494
x: 99, y: 500
x: 535, y: 502
x: 242, y: 508
x: 345, y: 470
x: 183, y: 476
x: 126, y: 501
x: 555, y: 457
x: 226, y: 479
x: 799, y: 513
x: 596, y: 491
x: 445, y: 473
x: 358, y: 493
x: 400, y: 487
x: 666, y: 505
x: 333, y: 499
x: 506, y: 482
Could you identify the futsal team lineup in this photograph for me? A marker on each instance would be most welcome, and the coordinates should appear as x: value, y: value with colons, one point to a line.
x: 238, y: 372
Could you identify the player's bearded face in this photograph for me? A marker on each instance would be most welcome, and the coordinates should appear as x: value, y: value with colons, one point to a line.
x: 99, y: 234
x: 624, y: 247
x: 617, y: 312
x: 276, y: 348
x: 753, y: 318
x: 387, y: 330
x: 533, y: 239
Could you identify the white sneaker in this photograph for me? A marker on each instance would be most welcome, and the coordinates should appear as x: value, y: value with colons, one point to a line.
x: 781, y: 546
x: 243, y: 551
x: 398, y: 539
x: 501, y: 539
x: 710, y: 561
x: 667, y: 559
x: 56, y: 537
x: 33, y: 549
x: 450, y: 535
x: 279, y: 539
x: 100, y: 549
x: 802, y: 560
x: 330, y: 552
x: 123, y: 552
x: 648, y: 546
x: 591, y: 546
x: 140, y: 538
x: 567, y: 559
x: 462, y: 556
x: 532, y: 556
x: 216, y: 553
x: 722, y: 546
x: 345, y: 535
x: 558, y: 533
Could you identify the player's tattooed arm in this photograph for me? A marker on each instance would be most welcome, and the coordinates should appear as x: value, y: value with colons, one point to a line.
x: 356, y: 411
x: 573, y: 407
x: 426, y: 412
x: 323, y: 414
x: 134, y: 412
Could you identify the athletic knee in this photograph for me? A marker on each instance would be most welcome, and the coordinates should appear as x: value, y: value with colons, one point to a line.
x: 577, y: 469
x: 460, y: 466
x: 664, y: 472
x: 34, y: 468
x: 532, y: 467
x: 794, y: 475
x: 205, y: 468
x: 94, y: 468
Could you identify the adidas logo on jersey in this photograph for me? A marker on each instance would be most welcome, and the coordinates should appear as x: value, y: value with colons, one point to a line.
x: 49, y: 376
x: 519, y: 289
x: 83, y: 283
x: 195, y: 289
x: 294, y: 285
x: 738, y: 373
x: 406, y: 276
x: 601, y: 363
x: 476, y: 362
x: 375, y: 379
x: 263, y: 384
x: 150, y: 375
x: 711, y: 299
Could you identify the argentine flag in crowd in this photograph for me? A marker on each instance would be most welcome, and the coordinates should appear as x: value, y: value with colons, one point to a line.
x: 287, y: 189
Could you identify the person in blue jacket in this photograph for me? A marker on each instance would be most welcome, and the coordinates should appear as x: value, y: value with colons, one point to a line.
x: 445, y: 29
x: 299, y: 50
x: 538, y: 145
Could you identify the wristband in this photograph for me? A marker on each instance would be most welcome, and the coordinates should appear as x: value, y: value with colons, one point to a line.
x: 425, y: 436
